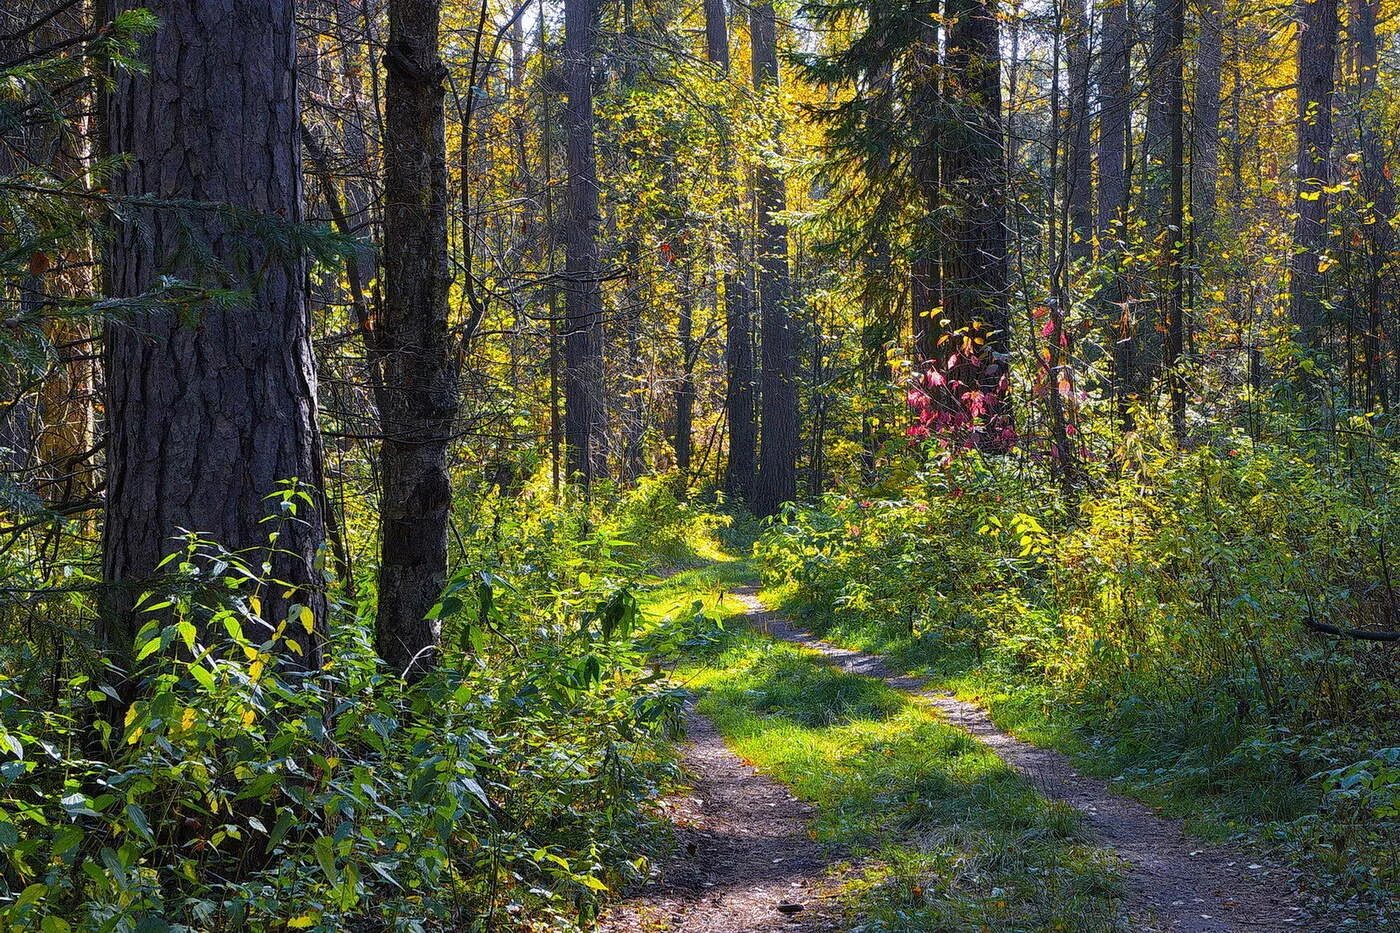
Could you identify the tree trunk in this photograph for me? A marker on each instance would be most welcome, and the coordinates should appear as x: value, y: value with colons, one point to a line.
x: 585, y: 404
x: 926, y: 272
x: 209, y: 408
x: 1317, y: 53
x: 975, y: 275
x: 420, y: 396
x: 741, y: 466
x: 1174, y: 238
x: 1115, y: 114
x: 1377, y: 190
x: 777, y: 469
x: 1205, y: 120
x: 1079, y: 173
x: 1115, y: 145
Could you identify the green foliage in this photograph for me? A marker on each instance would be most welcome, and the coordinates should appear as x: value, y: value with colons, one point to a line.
x: 240, y: 791
x: 1166, y: 621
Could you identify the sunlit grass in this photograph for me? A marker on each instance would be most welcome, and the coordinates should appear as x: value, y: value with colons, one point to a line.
x: 945, y: 836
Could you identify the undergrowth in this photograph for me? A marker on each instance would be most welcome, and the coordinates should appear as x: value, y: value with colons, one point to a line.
x: 1158, y: 633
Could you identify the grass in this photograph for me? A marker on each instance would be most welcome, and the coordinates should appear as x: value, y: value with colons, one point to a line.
x: 1181, y: 772
x: 941, y: 833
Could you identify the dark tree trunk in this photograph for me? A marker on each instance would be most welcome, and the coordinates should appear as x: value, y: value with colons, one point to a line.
x: 1378, y: 191
x: 741, y: 466
x: 1115, y: 145
x: 975, y: 276
x: 1317, y: 54
x: 926, y: 273
x: 209, y: 408
x: 717, y: 35
x: 685, y: 388
x: 777, y: 469
x: 585, y: 403
x: 1174, y: 237
x: 1079, y: 174
x: 1115, y: 113
x: 1205, y: 120
x: 420, y: 395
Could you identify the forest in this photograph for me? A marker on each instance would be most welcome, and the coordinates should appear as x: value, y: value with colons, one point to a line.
x: 717, y: 465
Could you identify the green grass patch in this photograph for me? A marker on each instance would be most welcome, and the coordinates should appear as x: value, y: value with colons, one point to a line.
x: 945, y: 835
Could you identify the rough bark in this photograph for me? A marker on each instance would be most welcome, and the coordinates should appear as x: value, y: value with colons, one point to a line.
x: 1378, y: 191
x: 585, y: 402
x: 420, y: 394
x: 777, y: 468
x: 926, y: 273
x: 1317, y: 53
x: 739, y: 400
x: 209, y: 407
x: 1115, y: 113
x: 1205, y: 118
x: 974, y: 178
x: 1079, y: 173
x: 1174, y: 235
x: 1115, y: 145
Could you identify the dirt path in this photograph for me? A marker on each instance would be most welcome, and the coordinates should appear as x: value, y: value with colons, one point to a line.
x: 1174, y: 882
x: 743, y: 859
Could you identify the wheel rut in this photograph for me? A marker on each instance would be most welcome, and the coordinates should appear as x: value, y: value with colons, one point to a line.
x: 743, y: 858
x: 1173, y: 881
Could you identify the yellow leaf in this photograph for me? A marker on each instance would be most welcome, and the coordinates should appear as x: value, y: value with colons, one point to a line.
x: 308, y: 619
x: 256, y: 605
x: 305, y: 921
x: 248, y: 717
x: 255, y: 670
x: 187, y: 721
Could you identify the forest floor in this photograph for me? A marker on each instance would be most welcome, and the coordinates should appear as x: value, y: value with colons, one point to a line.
x: 850, y: 795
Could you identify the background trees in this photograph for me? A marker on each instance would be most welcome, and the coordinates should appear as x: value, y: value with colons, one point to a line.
x: 463, y: 295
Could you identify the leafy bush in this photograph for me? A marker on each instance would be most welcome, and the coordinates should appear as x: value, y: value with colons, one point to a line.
x: 1171, y: 613
x: 239, y: 791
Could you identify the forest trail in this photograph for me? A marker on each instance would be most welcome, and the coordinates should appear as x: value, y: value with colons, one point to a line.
x: 743, y: 858
x: 1173, y: 881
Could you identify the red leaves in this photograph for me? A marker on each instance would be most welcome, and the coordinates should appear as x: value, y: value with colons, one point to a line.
x: 961, y: 401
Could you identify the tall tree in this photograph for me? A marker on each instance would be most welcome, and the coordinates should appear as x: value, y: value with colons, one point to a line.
x: 1205, y: 116
x: 209, y: 407
x: 1079, y: 175
x: 1377, y: 190
x: 1114, y: 149
x: 974, y: 330
x: 739, y: 399
x: 419, y: 397
x: 585, y: 401
x: 777, y: 469
x: 926, y: 271
x: 1317, y: 56
x: 1174, y: 235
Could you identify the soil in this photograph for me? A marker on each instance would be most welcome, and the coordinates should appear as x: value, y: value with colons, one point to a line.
x: 743, y: 858
x: 1174, y: 882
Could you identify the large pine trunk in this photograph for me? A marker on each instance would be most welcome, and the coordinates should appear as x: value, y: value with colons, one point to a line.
x: 1079, y: 175
x: 777, y: 467
x: 1379, y: 192
x: 739, y: 401
x: 1115, y: 134
x: 419, y: 397
x: 926, y: 285
x: 975, y: 275
x: 585, y: 404
x: 209, y: 407
x: 1317, y: 54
